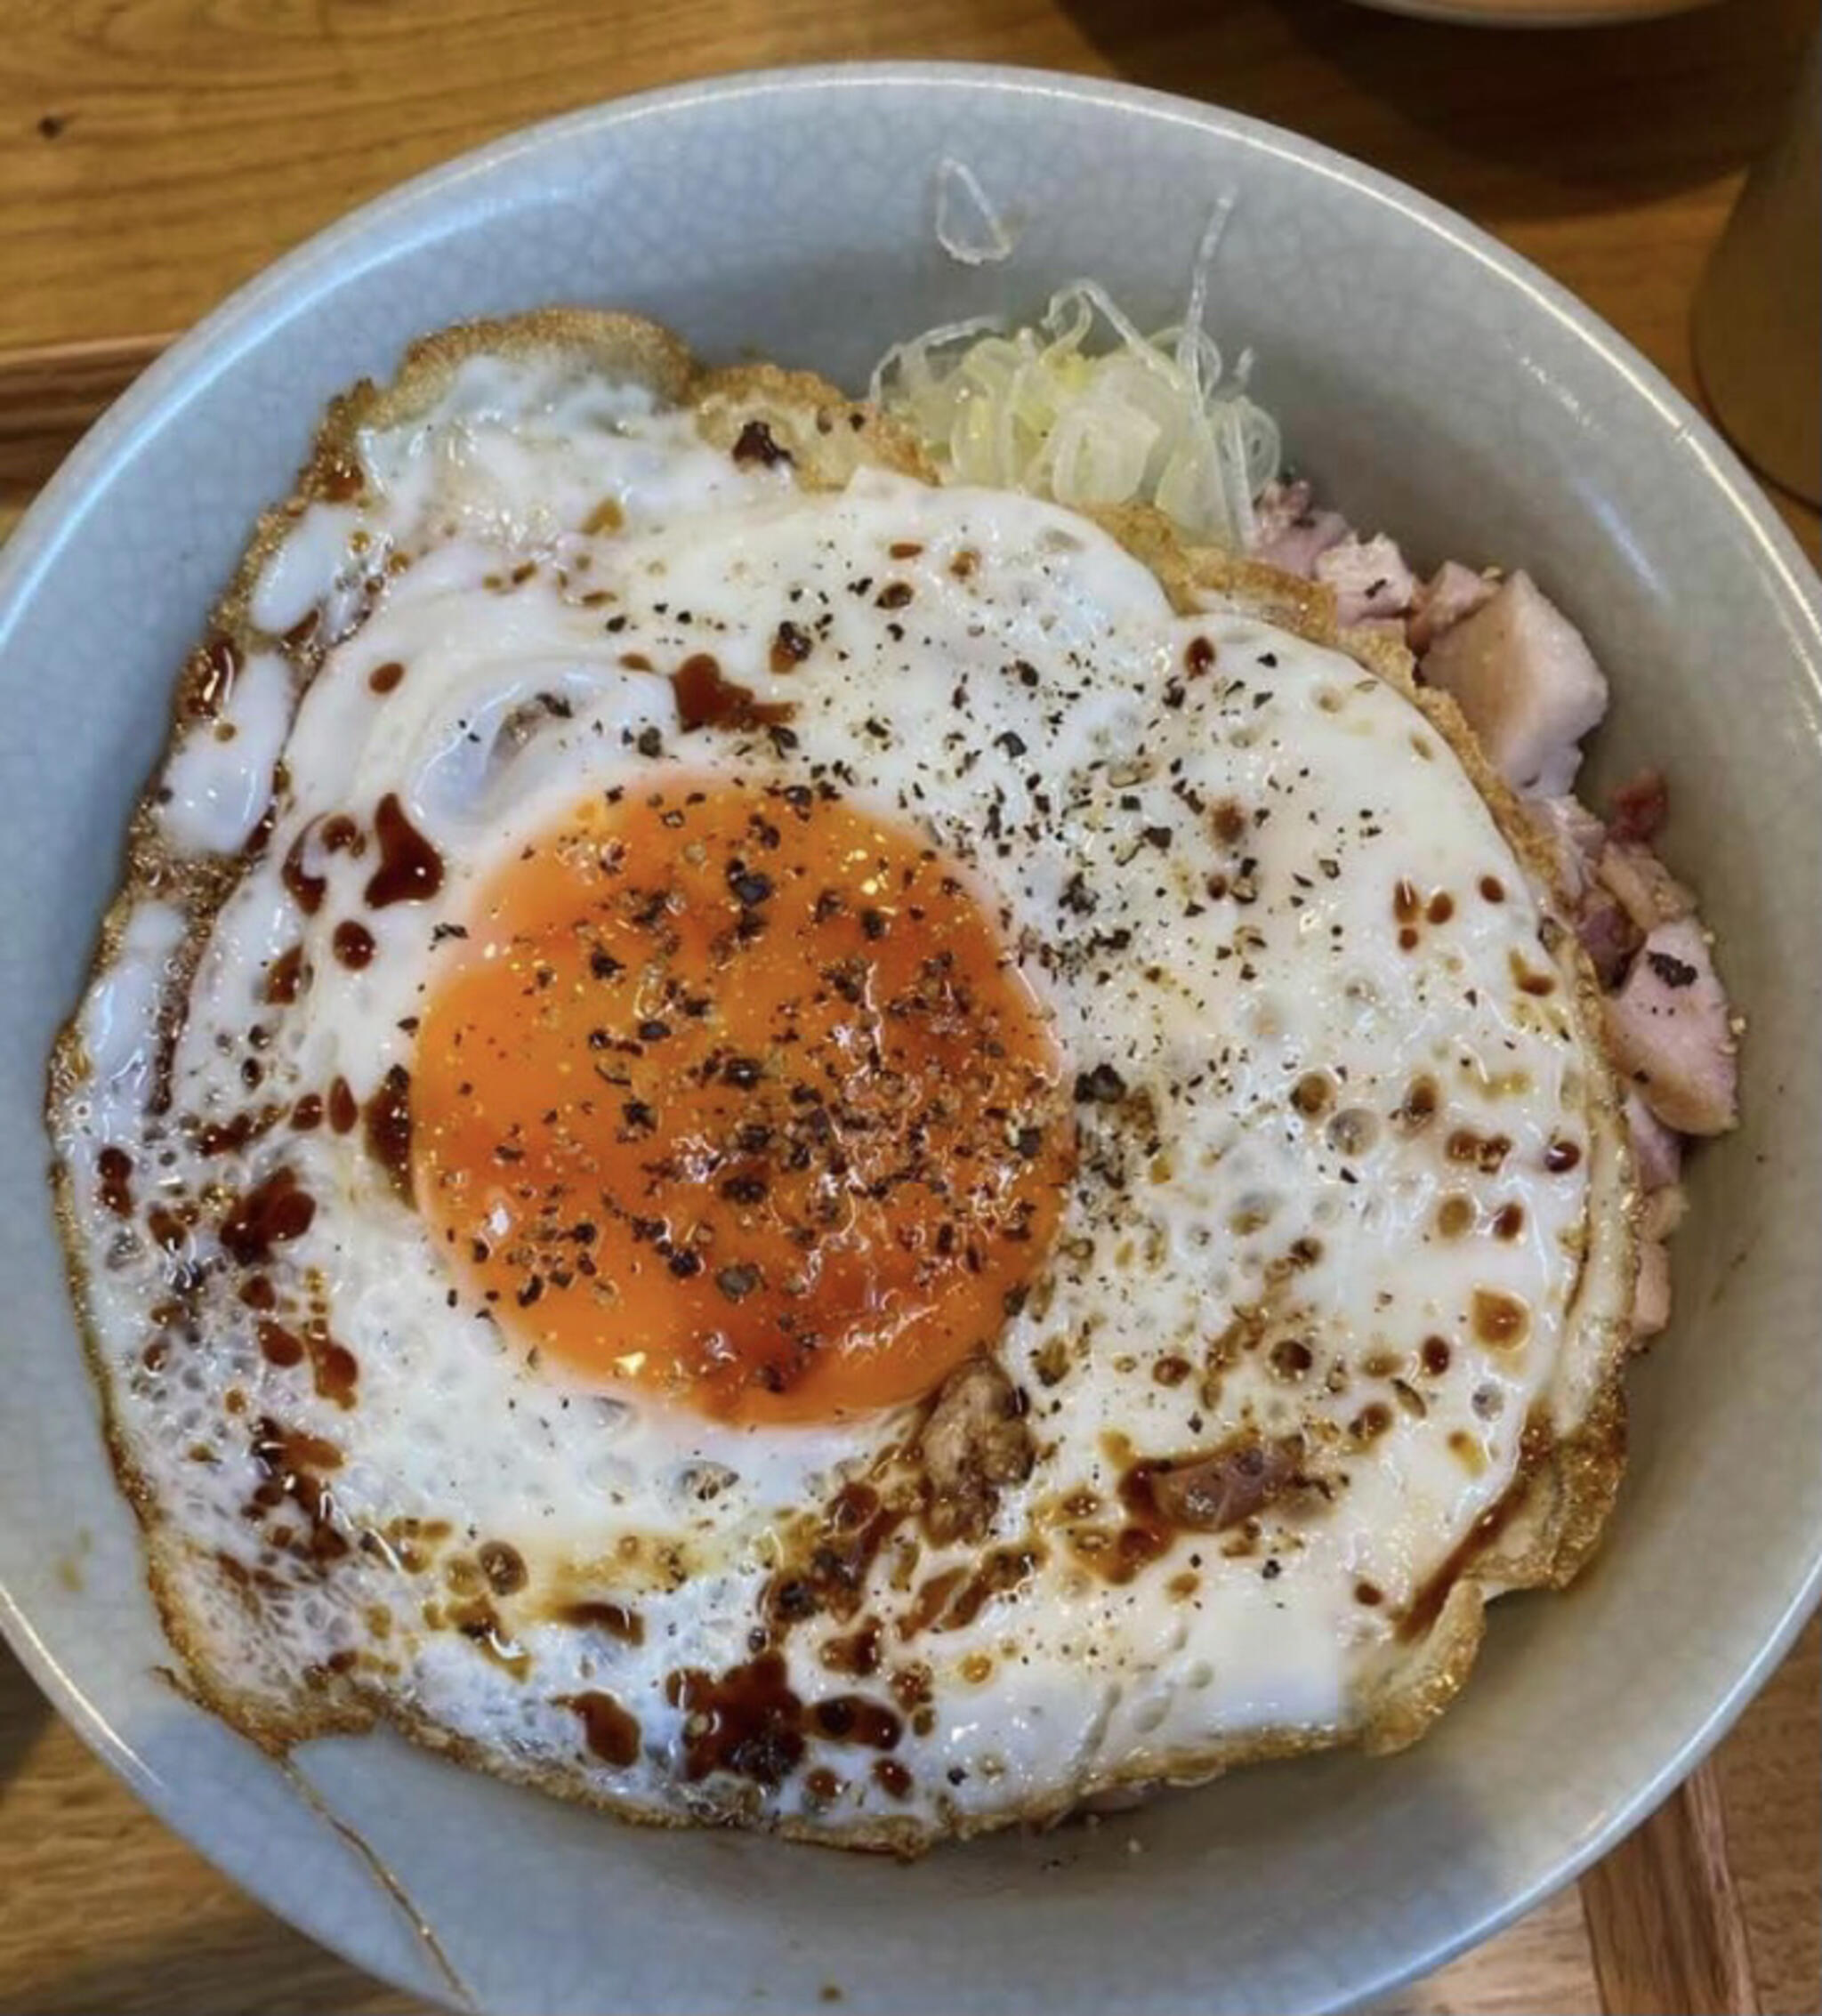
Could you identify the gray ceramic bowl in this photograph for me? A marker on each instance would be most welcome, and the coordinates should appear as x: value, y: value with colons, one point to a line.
x: 1436, y: 385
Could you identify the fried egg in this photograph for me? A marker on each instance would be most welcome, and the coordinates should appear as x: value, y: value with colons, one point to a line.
x: 764, y: 1141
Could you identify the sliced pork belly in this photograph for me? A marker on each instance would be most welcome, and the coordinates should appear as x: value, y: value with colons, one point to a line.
x: 1670, y: 1033
x: 1520, y: 671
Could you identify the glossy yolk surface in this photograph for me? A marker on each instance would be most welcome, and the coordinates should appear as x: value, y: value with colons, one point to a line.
x: 737, y: 1093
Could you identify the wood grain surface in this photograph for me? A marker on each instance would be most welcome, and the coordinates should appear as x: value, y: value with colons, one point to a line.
x: 155, y: 153
x: 1665, y: 1913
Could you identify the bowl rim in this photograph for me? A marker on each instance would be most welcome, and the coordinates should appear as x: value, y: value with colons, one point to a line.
x: 1527, y: 15
x: 293, y: 284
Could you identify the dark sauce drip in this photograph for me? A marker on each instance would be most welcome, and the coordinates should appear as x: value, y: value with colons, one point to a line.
x: 167, y: 1228
x: 279, y: 1346
x: 614, y: 1618
x: 608, y: 1729
x: 479, y: 1623
x: 892, y: 1777
x: 333, y: 1369
x: 953, y: 1599
x: 290, y: 1463
x: 114, y: 1184
x: 410, y: 869
x: 832, y: 1580
x: 503, y: 1565
x: 822, y: 1787
x: 752, y: 1724
x: 1501, y: 1321
x: 253, y: 848
x: 383, y: 678
x: 706, y: 699
x: 306, y: 890
x: 352, y: 944
x: 933, y: 1599
x: 1426, y: 1604
x: 1211, y: 1492
x: 345, y: 1114
x: 271, y: 1212
x: 229, y: 1137
x: 746, y: 1720
x: 857, y: 1653
x: 308, y: 1112
x: 386, y: 1122
x: 852, y: 1718
x: 278, y: 1449
x: 285, y: 976
x: 1486, y: 1152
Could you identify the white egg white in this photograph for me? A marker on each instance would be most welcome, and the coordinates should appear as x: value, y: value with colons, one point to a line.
x: 1255, y: 888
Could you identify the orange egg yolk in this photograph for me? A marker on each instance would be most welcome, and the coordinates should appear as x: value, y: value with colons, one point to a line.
x: 735, y: 1093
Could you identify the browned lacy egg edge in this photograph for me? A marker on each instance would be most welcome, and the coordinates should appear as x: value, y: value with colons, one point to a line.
x: 1539, y: 1534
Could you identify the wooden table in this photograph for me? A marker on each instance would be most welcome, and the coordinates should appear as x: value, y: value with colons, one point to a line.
x: 154, y: 153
